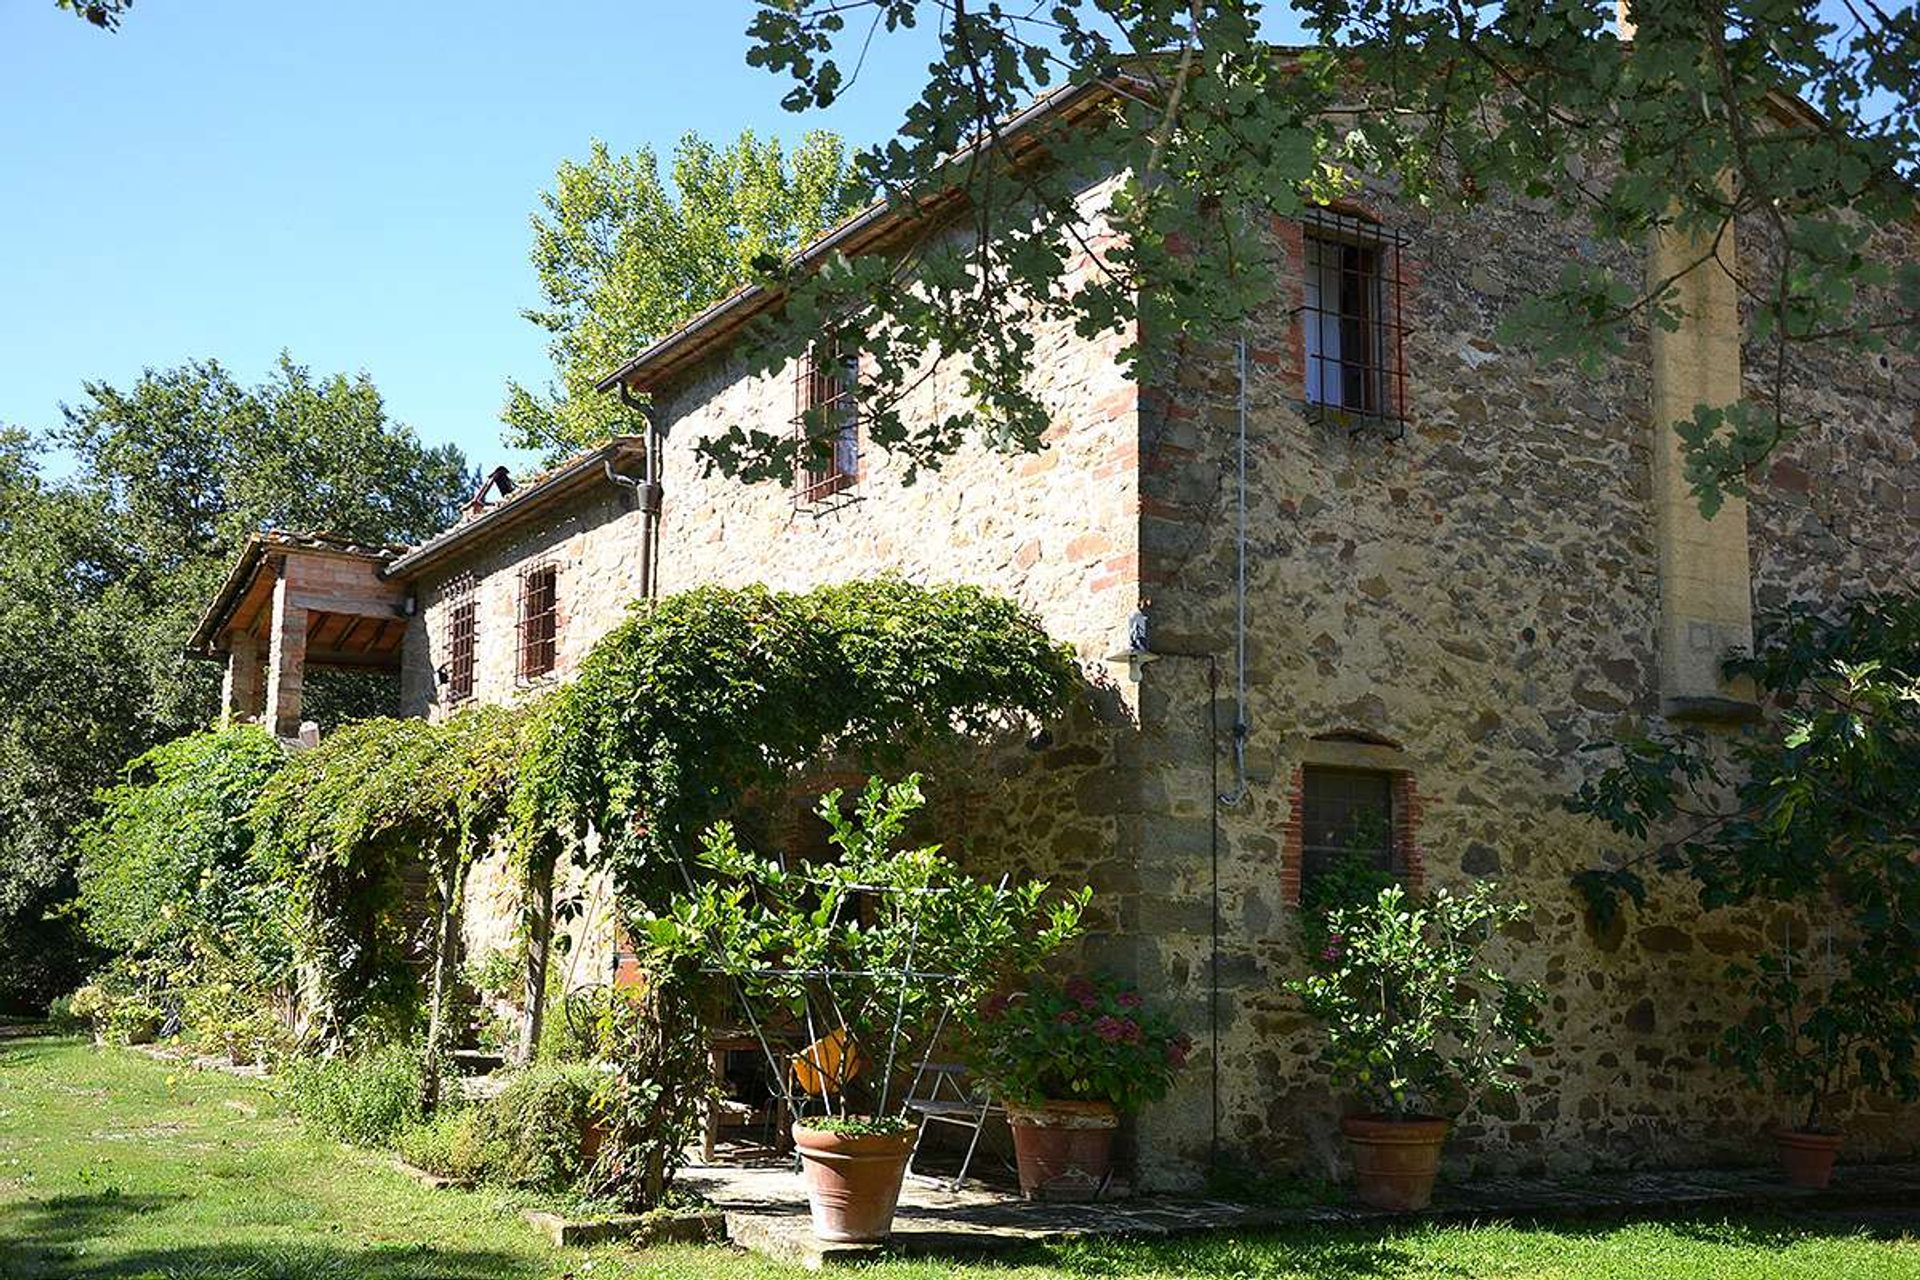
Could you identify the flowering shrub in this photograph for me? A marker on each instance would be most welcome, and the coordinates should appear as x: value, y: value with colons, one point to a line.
x: 1077, y: 1040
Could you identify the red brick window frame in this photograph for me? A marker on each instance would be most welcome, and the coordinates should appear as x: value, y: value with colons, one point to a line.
x: 1322, y: 795
x: 1352, y: 319
x: 539, y: 624
x: 463, y: 638
x: 826, y: 421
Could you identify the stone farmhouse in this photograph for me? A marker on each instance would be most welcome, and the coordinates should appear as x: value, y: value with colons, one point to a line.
x: 1395, y: 574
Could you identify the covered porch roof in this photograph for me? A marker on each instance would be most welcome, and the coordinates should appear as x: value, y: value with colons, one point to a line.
x: 294, y: 601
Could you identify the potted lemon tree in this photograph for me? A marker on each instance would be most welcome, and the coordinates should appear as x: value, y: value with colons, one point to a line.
x: 1069, y: 1057
x: 864, y: 955
x: 1417, y: 1021
x: 1815, y: 1031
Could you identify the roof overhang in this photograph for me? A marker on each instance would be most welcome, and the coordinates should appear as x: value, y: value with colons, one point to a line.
x: 582, y: 472
x: 873, y: 229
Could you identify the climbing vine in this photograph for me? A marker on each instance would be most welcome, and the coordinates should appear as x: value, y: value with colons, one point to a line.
x: 342, y: 822
x: 703, y: 696
x: 170, y: 886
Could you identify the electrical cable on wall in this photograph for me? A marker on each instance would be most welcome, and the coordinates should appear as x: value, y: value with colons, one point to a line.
x: 1241, y: 726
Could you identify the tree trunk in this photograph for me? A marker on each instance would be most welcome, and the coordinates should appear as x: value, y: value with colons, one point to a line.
x: 539, y: 950
x: 446, y: 945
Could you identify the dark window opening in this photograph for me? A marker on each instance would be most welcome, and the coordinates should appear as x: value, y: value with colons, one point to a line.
x: 462, y: 634
x: 539, y: 618
x: 827, y: 424
x: 1346, y: 814
x: 1351, y: 318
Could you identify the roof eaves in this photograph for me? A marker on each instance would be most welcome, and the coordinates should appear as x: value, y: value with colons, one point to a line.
x: 528, y: 497
x: 863, y: 228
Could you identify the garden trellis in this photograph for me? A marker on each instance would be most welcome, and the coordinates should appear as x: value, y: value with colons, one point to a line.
x: 870, y: 956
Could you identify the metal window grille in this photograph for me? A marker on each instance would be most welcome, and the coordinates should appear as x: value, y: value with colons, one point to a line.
x: 539, y: 620
x: 462, y: 638
x: 826, y: 422
x: 1352, y: 319
x: 1345, y: 811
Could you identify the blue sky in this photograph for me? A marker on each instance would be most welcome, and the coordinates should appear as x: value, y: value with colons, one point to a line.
x: 346, y: 179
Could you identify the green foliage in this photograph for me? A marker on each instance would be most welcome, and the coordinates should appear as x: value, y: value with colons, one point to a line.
x: 367, y: 1098
x: 697, y: 700
x: 1415, y: 1017
x: 1687, y: 127
x: 131, y: 1019
x: 498, y: 972
x: 103, y: 571
x: 653, y: 1039
x: 419, y: 784
x: 342, y: 819
x: 576, y: 1022
x: 528, y: 1136
x: 1350, y: 879
x: 874, y: 944
x: 860, y: 1126
x: 87, y: 1006
x: 1079, y: 1039
x: 105, y: 14
x: 624, y: 258
x: 167, y: 870
x: 700, y: 697
x: 1813, y: 1029
x: 1817, y: 810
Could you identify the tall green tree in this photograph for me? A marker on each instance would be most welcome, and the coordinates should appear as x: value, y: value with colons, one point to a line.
x: 103, y: 573
x: 625, y: 256
x: 1796, y: 119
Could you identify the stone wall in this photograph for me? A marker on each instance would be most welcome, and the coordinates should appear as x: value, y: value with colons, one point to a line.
x: 591, y: 540
x: 1483, y: 595
x: 1465, y: 606
x: 1054, y: 530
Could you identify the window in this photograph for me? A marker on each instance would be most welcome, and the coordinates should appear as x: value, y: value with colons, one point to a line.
x: 1345, y: 811
x: 827, y: 424
x: 1351, y: 317
x: 462, y: 633
x: 539, y: 619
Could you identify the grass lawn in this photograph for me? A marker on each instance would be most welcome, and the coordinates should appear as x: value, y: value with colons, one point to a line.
x: 114, y: 1165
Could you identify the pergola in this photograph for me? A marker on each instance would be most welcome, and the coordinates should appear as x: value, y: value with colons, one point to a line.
x: 295, y: 602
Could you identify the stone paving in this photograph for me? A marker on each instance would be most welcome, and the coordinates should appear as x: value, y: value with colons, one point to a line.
x: 765, y: 1207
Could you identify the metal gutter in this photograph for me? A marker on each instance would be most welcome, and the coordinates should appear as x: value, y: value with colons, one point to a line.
x: 526, y: 501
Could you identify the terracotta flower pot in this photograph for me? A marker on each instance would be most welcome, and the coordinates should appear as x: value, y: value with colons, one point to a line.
x: 1064, y: 1149
x: 1394, y: 1161
x: 1806, y: 1156
x: 853, y: 1183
